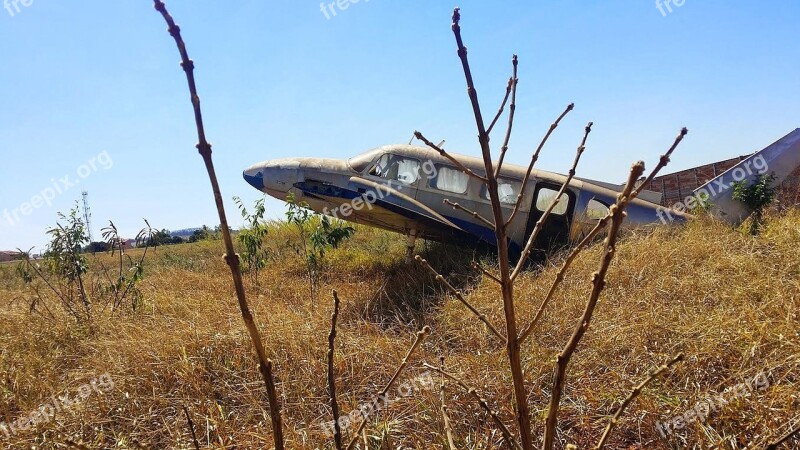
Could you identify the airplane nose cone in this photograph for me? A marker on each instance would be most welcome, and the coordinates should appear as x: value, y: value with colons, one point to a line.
x: 254, y: 176
x: 275, y: 177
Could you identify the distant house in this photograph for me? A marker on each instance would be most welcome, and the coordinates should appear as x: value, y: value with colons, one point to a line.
x: 129, y: 244
x: 6, y: 256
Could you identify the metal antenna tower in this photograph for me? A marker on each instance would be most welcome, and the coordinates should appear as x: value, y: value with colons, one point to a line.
x: 87, y: 214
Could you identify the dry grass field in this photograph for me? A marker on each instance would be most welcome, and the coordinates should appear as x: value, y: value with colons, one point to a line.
x: 728, y: 301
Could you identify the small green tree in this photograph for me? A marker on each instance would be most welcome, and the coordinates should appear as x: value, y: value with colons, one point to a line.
x: 757, y: 196
x: 128, y: 275
x: 63, y: 275
x: 318, y: 233
x: 64, y: 255
x: 252, y: 236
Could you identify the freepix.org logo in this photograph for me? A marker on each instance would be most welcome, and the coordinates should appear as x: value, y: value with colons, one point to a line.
x: 665, y: 6
x: 329, y: 9
x: 751, y: 167
x: 45, y: 197
x: 13, y: 6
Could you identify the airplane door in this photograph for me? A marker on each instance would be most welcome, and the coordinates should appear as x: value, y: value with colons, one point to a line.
x: 555, y: 231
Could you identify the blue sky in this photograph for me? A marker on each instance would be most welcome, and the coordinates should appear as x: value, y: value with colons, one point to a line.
x: 279, y: 79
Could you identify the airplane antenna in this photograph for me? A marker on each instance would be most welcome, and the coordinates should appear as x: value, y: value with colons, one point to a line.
x: 87, y: 214
x: 441, y: 144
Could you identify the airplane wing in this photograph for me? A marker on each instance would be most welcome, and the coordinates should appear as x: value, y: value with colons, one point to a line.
x: 382, y: 206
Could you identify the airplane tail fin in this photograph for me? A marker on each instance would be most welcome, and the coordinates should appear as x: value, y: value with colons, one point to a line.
x: 780, y: 159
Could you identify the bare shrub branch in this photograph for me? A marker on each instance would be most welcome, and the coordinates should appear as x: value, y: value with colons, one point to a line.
x: 509, y: 437
x: 403, y: 364
x: 477, y: 266
x: 337, y: 430
x: 457, y: 294
x: 589, y: 238
x: 553, y: 203
x: 535, y: 158
x: 448, y: 429
x: 511, y: 110
x: 617, y: 212
x: 474, y: 214
x: 264, y: 363
x: 450, y: 157
x: 632, y: 396
x: 502, y: 105
x: 662, y: 162
x: 507, y: 287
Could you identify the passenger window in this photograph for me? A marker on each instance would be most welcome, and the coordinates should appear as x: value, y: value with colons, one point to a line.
x: 395, y: 167
x: 546, y: 196
x: 508, y: 191
x: 450, y: 179
x: 596, y: 209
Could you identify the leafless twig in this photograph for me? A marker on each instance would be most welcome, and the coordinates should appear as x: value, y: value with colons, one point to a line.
x: 337, y: 431
x: 448, y: 429
x: 632, y: 396
x: 403, y: 364
x: 472, y: 213
x: 264, y: 363
x: 477, y: 266
x: 523, y: 410
x: 450, y: 157
x: 553, y: 203
x: 535, y: 158
x: 617, y: 212
x: 662, y: 162
x: 502, y: 105
x: 511, y: 110
x: 482, y: 402
x: 589, y: 238
x: 460, y: 297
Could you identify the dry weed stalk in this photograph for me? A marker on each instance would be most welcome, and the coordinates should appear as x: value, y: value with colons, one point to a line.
x: 786, y: 437
x: 232, y: 259
x: 190, y: 424
x: 507, y: 275
x: 632, y: 396
x: 448, y: 429
x: 507, y: 435
x: 482, y: 317
x: 337, y: 430
x: 589, y: 238
x: 421, y: 335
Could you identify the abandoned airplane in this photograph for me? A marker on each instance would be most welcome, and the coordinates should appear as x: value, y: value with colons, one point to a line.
x: 403, y: 188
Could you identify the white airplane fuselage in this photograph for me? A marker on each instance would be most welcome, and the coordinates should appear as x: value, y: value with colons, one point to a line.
x: 402, y: 188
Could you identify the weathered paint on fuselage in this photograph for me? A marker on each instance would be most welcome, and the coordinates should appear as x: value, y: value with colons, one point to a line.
x: 327, y: 184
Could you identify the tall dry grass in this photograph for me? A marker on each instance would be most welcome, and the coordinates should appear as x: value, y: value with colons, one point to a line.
x: 728, y: 301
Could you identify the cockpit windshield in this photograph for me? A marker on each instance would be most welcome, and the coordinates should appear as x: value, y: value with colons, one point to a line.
x: 360, y: 162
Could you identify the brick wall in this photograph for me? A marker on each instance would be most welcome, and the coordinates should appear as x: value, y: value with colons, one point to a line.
x: 675, y: 187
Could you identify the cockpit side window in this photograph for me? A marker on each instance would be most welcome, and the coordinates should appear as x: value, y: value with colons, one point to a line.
x: 396, y: 168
